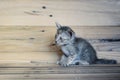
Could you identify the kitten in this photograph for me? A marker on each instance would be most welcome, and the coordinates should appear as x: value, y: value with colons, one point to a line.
x: 76, y: 51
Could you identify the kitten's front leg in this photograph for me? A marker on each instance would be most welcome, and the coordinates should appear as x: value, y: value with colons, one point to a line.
x: 63, y: 61
x: 67, y: 61
x: 71, y: 60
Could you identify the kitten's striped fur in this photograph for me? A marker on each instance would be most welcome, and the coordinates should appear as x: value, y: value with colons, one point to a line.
x: 76, y: 50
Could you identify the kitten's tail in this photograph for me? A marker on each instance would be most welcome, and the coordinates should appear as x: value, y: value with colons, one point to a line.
x: 105, y: 61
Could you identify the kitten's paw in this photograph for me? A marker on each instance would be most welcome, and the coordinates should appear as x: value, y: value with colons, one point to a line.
x: 64, y: 64
x: 58, y: 62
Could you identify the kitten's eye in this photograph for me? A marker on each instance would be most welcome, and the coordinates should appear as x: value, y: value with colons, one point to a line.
x: 60, y: 38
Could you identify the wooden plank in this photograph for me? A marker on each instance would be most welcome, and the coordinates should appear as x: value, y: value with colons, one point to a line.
x: 33, y: 45
x: 46, y: 45
x: 78, y: 12
x: 60, y: 70
x: 62, y: 76
x: 30, y: 38
x: 68, y: 79
x: 50, y: 57
x: 21, y: 55
x: 55, y: 72
x: 37, y: 65
x: 43, y: 57
x: 30, y: 71
x: 26, y: 32
x: 107, y: 46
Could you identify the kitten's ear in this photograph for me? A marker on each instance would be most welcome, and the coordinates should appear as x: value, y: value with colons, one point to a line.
x: 58, y: 25
x: 71, y: 32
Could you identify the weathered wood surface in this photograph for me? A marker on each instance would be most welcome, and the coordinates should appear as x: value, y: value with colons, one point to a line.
x: 36, y: 71
x: 68, y: 12
x: 27, y: 53
x: 34, y: 43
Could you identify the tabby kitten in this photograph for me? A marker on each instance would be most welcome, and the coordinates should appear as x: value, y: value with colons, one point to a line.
x: 76, y: 51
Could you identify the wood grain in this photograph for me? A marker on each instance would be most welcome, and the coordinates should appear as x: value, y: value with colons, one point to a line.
x: 34, y: 31
x: 34, y: 43
x: 67, y: 12
x: 29, y: 71
x: 46, y: 57
x: 27, y: 30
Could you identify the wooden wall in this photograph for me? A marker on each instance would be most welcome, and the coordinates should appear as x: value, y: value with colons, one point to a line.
x: 66, y: 12
x: 27, y: 28
x: 34, y: 43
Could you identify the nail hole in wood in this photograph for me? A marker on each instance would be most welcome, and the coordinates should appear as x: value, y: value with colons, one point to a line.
x: 44, y: 7
x: 42, y: 30
x: 50, y: 15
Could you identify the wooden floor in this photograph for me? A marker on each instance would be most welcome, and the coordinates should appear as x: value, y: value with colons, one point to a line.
x: 35, y: 71
x: 54, y: 72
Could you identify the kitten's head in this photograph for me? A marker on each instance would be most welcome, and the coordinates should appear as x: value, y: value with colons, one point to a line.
x: 64, y: 36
